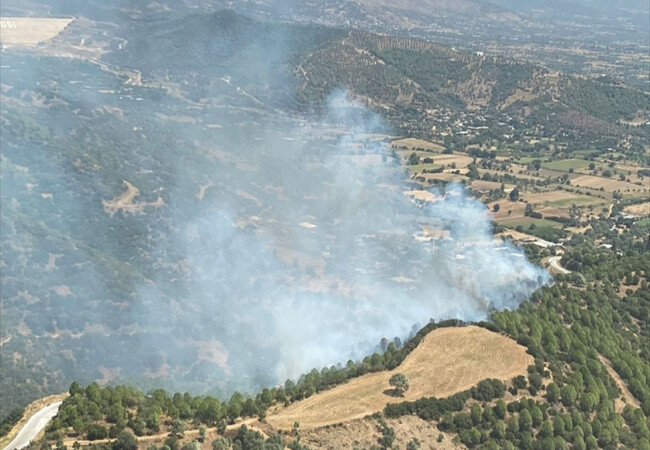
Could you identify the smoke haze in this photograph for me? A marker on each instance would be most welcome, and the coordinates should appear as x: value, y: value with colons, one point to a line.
x: 336, y: 261
x: 210, y: 240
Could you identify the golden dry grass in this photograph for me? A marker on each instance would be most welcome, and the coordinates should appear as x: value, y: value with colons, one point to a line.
x: 421, y: 195
x: 448, y: 360
x: 364, y: 433
x: 608, y: 184
x: 29, y: 31
x: 641, y: 209
x: 488, y: 185
x: 460, y: 159
x: 413, y: 142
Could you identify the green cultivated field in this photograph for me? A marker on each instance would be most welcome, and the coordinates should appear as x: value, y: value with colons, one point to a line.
x: 422, y: 167
x: 578, y: 200
x: 566, y: 164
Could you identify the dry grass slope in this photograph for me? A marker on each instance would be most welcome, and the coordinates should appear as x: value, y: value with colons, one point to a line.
x: 447, y: 361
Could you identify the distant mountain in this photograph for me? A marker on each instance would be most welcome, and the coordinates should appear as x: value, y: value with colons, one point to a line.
x: 344, y: 10
x: 585, y: 9
x: 403, y: 73
x: 302, y: 64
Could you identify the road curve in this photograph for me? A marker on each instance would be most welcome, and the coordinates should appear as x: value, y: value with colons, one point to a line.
x: 34, y: 425
x: 554, y: 261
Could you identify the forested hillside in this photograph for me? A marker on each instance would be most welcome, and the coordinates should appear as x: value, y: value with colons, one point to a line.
x: 298, y: 66
x: 587, y: 389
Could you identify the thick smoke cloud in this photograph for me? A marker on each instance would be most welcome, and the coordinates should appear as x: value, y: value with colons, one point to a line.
x: 361, y: 266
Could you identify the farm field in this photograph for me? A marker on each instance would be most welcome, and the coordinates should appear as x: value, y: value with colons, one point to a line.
x: 448, y: 360
x: 412, y: 143
x: 420, y: 168
x: 609, y: 185
x: 641, y: 209
x: 566, y: 164
x: 460, y: 160
x: 526, y: 222
x: 562, y: 199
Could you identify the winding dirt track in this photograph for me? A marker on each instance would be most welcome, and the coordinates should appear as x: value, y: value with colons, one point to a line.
x: 448, y: 360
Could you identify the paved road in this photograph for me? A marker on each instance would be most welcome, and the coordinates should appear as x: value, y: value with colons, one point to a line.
x: 34, y: 425
x: 554, y: 261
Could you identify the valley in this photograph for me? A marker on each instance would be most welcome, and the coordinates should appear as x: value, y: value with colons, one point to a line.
x: 227, y: 222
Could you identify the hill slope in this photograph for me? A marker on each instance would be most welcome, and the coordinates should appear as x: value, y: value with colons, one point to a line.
x: 448, y: 360
x: 404, y: 77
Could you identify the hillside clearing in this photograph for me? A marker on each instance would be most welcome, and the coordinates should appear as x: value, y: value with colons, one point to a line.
x: 608, y: 184
x: 448, y: 360
x: 626, y: 395
x: 641, y: 209
x: 30, y: 31
x: 364, y: 433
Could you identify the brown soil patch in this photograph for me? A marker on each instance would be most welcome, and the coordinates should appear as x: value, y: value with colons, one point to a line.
x: 412, y: 142
x: 124, y: 202
x: 516, y: 209
x: 448, y: 360
x: 485, y: 185
x: 608, y: 184
x: 364, y: 433
x: 444, y: 176
x: 518, y: 236
x: 461, y: 160
x: 641, y: 210
x: 421, y: 195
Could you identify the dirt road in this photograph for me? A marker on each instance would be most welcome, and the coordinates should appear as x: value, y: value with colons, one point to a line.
x: 554, y: 261
x: 33, y: 426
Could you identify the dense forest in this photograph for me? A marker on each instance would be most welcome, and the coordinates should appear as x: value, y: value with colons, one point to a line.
x: 578, y: 330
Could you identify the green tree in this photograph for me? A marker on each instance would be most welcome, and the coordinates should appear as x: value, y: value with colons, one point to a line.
x: 568, y: 394
x: 552, y: 393
x: 547, y: 430
x: 221, y: 426
x: 413, y: 160
x: 178, y: 428
x: 400, y: 383
x: 221, y: 443
x: 514, y: 195
x: 500, y: 409
x: 525, y: 420
x: 125, y: 441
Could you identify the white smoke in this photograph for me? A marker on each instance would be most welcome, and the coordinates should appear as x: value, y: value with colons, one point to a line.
x: 359, y: 268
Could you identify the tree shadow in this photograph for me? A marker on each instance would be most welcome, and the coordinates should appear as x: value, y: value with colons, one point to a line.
x: 393, y: 393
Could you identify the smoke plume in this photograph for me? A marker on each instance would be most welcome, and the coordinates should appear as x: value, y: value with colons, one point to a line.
x: 332, y: 256
x: 202, y: 238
